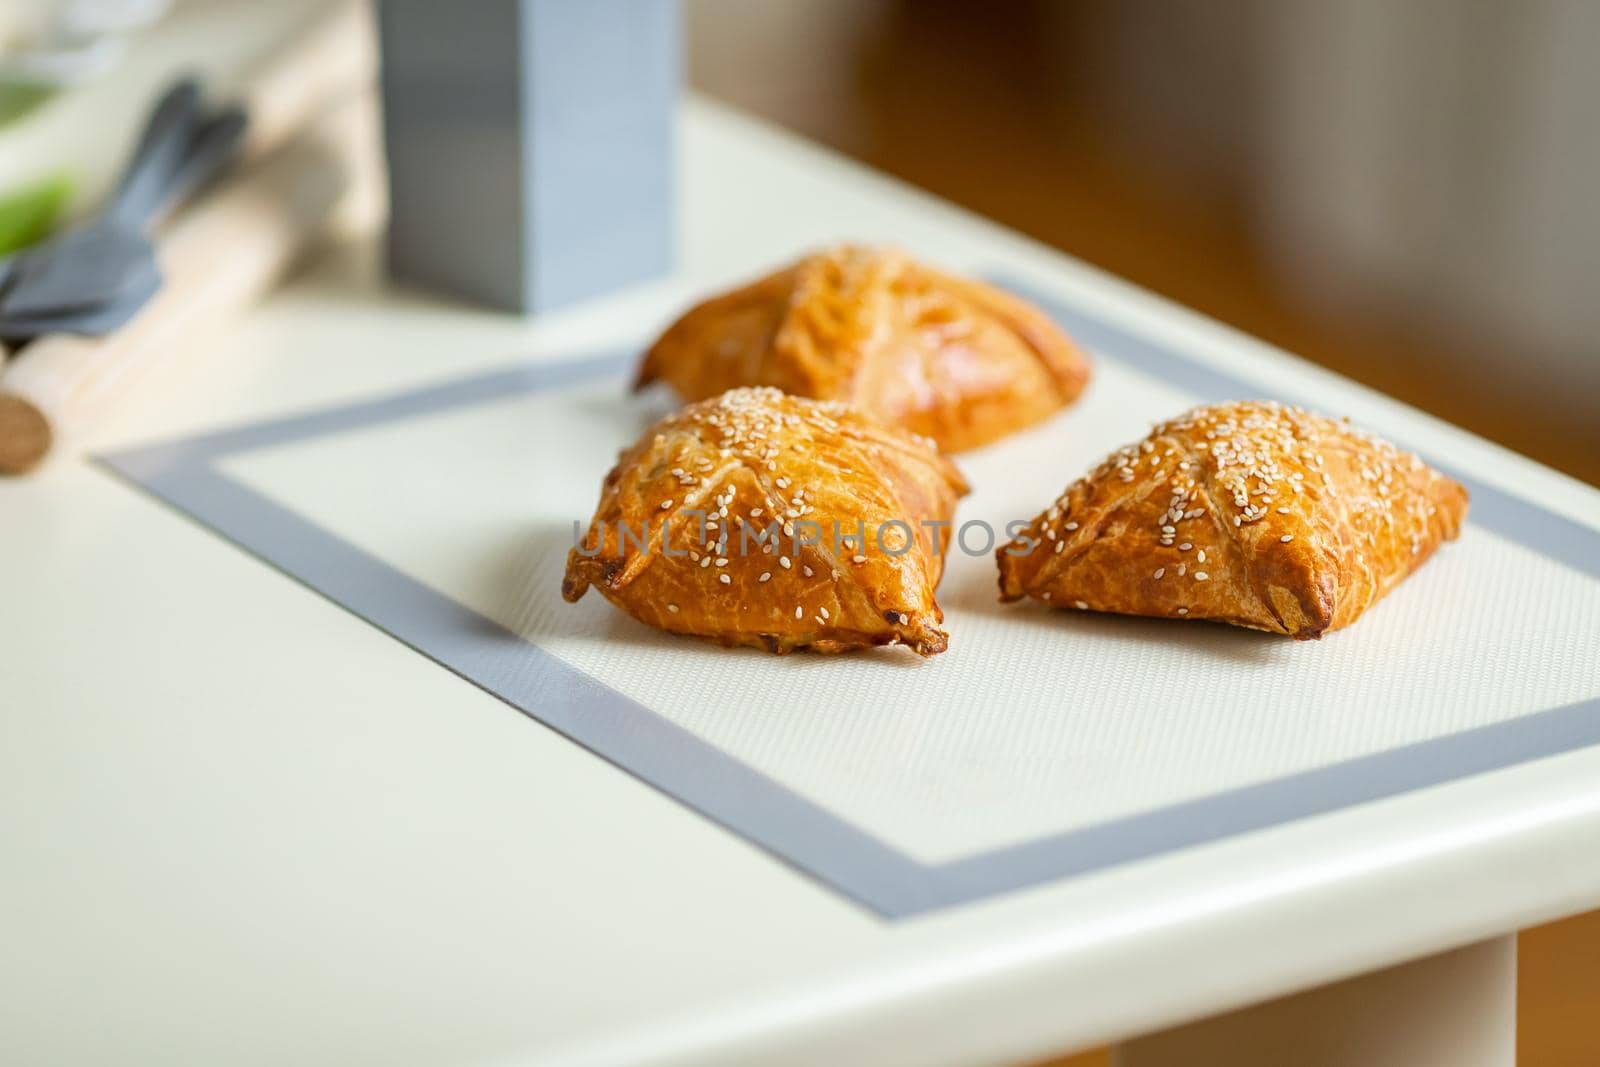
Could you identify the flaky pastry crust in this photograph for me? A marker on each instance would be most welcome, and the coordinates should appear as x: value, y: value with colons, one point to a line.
x: 1251, y: 513
x: 947, y: 357
x: 771, y: 472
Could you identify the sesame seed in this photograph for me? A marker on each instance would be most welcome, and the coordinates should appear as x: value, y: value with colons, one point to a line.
x: 806, y: 571
x: 705, y: 561
x: 1286, y: 538
x: 1201, y: 576
x: 672, y: 608
x: 1080, y: 605
x: 1182, y: 569
x: 1200, y: 557
x: 1186, y: 546
x: 799, y: 612
x: 1283, y: 511
x: 824, y: 612
x: 724, y: 579
x: 766, y: 576
x: 666, y: 505
x: 722, y: 561
x: 783, y: 561
x: 1061, y: 546
x: 858, y: 559
x: 1183, y: 611
x: 1159, y: 572
x: 1071, y: 526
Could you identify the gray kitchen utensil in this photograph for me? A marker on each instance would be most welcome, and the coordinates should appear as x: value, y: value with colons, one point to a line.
x: 93, y: 320
x: 95, y: 277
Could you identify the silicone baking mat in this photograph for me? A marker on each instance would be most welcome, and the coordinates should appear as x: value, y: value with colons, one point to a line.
x: 1042, y: 745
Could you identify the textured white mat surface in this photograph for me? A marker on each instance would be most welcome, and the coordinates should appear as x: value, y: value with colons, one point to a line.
x: 1035, y: 722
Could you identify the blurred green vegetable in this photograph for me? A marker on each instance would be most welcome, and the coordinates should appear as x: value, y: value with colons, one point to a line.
x: 31, y: 212
x: 19, y: 99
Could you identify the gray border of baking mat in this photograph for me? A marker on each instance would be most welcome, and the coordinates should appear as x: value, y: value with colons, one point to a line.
x: 185, y: 475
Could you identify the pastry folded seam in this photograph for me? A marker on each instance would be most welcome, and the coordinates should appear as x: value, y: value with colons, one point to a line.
x: 947, y: 357
x: 1249, y: 513
x: 757, y: 518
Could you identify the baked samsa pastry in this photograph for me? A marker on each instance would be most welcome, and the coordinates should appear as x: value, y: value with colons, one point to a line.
x: 1253, y: 514
x: 720, y: 501
x: 952, y: 359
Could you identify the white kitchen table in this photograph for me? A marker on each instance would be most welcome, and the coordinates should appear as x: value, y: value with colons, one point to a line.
x: 268, y: 793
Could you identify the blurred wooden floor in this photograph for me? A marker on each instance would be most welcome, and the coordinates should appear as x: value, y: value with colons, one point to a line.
x: 1558, y: 1005
x: 977, y: 109
x: 937, y: 96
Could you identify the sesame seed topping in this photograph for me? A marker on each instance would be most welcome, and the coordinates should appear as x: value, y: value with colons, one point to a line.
x: 1080, y: 605
x: 1286, y: 538
x: 1183, y: 611
x: 783, y: 561
x: 672, y: 608
x: 766, y: 576
x: 666, y: 505
x: 806, y: 571
x: 1159, y: 572
x: 1200, y: 557
x: 1201, y: 576
x: 1070, y: 526
x: 858, y: 559
x: 799, y: 612
x: 824, y: 612
x: 724, y: 579
x: 722, y: 561
x: 1186, y: 546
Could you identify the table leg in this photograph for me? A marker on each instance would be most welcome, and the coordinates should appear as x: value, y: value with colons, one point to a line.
x: 1458, y: 1009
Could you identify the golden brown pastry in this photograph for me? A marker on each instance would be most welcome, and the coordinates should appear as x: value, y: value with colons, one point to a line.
x: 770, y: 472
x: 1254, y: 514
x: 953, y: 359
